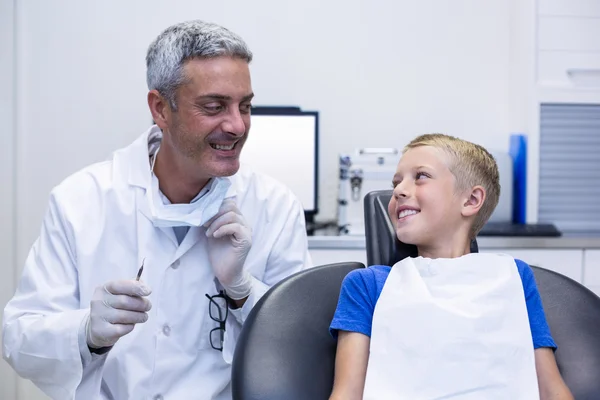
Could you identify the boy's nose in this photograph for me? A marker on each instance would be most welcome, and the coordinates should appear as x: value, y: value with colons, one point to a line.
x: 401, y: 190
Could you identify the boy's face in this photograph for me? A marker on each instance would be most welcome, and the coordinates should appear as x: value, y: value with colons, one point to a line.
x: 425, y: 207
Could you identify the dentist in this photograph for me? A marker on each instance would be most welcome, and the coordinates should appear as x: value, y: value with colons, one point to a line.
x: 212, y: 237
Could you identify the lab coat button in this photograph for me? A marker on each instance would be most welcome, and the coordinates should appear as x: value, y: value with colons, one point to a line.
x: 166, y: 330
x: 158, y: 397
x: 175, y: 264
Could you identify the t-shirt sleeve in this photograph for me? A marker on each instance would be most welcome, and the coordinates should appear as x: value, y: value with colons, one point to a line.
x: 540, y: 331
x: 356, y: 303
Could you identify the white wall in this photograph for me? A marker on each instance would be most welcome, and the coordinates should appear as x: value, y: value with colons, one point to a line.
x: 7, y: 134
x: 379, y: 75
x: 380, y: 72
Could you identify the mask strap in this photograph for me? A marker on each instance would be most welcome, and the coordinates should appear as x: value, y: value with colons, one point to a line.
x: 153, y: 160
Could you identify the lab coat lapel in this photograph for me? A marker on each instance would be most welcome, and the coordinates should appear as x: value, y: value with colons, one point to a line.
x: 192, y: 237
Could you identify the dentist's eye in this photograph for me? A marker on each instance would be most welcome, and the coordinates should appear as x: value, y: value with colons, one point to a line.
x: 245, y: 108
x: 213, y: 107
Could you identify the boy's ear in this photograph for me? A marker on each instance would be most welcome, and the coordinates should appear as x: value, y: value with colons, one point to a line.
x: 474, y: 202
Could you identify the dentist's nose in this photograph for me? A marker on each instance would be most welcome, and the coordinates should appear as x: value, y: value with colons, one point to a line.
x: 234, y: 123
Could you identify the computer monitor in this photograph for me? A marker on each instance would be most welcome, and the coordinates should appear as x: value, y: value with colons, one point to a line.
x: 283, y: 143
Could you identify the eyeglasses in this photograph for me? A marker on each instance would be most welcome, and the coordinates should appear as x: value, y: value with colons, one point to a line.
x: 218, y: 311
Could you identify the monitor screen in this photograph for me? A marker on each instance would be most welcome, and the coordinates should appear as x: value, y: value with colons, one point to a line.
x: 282, y: 143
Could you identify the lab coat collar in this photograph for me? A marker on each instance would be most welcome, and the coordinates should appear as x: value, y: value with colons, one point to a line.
x: 136, y: 160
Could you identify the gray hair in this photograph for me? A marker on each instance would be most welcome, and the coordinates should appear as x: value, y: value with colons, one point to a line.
x: 184, y: 41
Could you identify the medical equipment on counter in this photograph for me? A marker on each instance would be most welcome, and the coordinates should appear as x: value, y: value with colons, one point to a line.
x: 365, y: 171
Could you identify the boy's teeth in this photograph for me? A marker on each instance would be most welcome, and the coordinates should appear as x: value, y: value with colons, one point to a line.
x: 222, y: 147
x: 404, y: 213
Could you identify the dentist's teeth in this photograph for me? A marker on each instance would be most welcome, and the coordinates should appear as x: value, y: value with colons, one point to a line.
x: 222, y: 147
x: 405, y: 213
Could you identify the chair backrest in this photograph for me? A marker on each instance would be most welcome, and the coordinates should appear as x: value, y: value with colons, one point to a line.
x: 573, y: 313
x: 572, y: 310
x: 285, y: 350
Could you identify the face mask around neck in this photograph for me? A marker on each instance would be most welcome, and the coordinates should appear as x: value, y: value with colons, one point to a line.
x: 196, y: 213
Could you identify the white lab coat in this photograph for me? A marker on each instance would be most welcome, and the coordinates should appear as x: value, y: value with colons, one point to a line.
x: 97, y: 229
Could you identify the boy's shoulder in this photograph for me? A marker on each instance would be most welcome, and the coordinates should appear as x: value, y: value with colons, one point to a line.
x: 369, y: 274
x: 367, y: 281
x: 524, y: 270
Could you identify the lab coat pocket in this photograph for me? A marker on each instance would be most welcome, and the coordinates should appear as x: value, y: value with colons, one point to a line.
x: 213, y: 326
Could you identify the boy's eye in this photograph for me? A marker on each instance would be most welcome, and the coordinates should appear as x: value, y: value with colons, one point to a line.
x: 420, y: 175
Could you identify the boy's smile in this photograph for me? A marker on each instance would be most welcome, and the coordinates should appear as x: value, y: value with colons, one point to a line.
x: 405, y: 212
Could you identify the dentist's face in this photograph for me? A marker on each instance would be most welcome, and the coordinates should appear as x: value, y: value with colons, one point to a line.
x: 212, y: 120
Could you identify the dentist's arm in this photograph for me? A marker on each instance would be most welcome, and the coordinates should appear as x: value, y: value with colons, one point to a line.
x: 351, y: 361
x: 43, y: 323
x: 230, y: 241
x: 47, y: 335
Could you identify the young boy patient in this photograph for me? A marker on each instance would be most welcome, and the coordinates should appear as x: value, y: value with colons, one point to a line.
x: 446, y: 324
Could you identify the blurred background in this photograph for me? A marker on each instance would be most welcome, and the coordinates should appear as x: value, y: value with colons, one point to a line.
x: 520, y: 77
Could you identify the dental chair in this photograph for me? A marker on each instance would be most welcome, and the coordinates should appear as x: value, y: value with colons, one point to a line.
x: 572, y: 310
x: 285, y: 351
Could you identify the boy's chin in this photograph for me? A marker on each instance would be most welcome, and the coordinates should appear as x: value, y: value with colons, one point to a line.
x: 407, y: 237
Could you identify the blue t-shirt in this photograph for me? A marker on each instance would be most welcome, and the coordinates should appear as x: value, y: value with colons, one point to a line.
x: 361, y: 289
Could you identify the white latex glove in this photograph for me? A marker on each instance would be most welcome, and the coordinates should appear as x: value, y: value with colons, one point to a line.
x: 229, y: 241
x: 115, y: 308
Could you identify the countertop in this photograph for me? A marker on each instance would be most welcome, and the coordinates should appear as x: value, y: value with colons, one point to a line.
x: 486, y: 242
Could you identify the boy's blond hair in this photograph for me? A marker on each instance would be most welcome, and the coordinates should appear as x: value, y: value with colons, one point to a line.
x: 472, y: 165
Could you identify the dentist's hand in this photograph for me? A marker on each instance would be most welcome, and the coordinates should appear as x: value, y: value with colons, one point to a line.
x: 229, y: 242
x: 115, y: 308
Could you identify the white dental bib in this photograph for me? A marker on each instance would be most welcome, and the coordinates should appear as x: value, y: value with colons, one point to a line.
x: 452, y: 329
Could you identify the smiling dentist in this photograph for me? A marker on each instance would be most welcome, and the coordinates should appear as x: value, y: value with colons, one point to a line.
x: 212, y: 237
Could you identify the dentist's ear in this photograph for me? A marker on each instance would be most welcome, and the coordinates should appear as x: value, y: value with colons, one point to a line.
x: 159, y: 108
x: 474, y: 201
